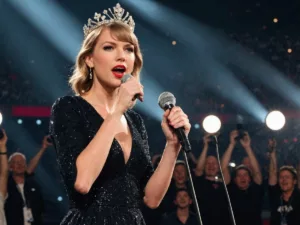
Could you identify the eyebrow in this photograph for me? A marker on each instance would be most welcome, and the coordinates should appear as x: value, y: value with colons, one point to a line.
x: 113, y: 43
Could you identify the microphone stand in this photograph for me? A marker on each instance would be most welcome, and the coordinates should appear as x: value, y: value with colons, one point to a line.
x: 225, y: 187
x: 192, y: 185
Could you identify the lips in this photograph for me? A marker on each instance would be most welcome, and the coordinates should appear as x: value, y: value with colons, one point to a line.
x: 119, y: 71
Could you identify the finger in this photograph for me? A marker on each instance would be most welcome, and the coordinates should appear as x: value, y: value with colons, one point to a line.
x: 175, y: 114
x: 138, y: 91
x: 165, y: 116
x: 174, y: 110
x: 177, y: 119
x: 181, y: 123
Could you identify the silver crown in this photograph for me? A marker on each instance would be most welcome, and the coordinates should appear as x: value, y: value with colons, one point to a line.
x: 109, y: 16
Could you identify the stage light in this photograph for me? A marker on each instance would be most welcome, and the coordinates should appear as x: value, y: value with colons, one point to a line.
x: 59, y: 198
x: 174, y: 42
x: 196, y: 126
x: 19, y: 121
x: 275, y: 120
x: 1, y: 118
x: 289, y: 50
x: 232, y: 164
x: 275, y: 20
x: 38, y: 122
x: 211, y: 124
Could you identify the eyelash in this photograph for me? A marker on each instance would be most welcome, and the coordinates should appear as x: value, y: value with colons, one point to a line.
x: 107, y: 48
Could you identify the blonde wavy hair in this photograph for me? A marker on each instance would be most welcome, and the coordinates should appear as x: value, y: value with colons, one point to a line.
x: 79, y: 80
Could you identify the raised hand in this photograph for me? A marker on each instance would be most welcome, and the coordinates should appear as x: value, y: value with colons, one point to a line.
x: 126, y: 95
x: 172, y: 119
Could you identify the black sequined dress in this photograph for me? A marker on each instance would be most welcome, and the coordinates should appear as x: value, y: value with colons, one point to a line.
x: 116, y: 196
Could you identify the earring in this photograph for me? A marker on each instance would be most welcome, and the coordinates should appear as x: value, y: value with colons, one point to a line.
x: 91, y: 73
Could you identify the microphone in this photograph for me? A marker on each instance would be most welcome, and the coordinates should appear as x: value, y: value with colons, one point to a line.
x: 124, y: 79
x: 167, y: 100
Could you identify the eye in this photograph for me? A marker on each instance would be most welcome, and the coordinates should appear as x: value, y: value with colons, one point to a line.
x: 130, y: 49
x: 108, y: 48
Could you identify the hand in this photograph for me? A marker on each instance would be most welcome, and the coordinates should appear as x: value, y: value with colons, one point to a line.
x: 233, y: 135
x: 206, y: 139
x: 272, y: 144
x: 246, y: 140
x: 173, y: 119
x: 46, y: 143
x: 126, y: 94
x: 3, y: 140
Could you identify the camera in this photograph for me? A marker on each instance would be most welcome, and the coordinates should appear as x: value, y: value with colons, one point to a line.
x: 241, y: 131
x: 49, y: 140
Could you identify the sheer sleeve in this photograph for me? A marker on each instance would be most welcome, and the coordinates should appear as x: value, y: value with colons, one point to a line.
x: 66, y: 130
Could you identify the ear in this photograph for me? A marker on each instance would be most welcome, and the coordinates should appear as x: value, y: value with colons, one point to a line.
x: 89, y: 60
x: 295, y: 182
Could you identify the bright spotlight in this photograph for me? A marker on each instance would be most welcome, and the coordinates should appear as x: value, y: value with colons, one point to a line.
x: 59, y: 198
x: 232, y: 164
x: 211, y: 124
x: 38, y: 122
x: 275, y: 120
x: 19, y: 121
x: 197, y: 126
x: 1, y: 118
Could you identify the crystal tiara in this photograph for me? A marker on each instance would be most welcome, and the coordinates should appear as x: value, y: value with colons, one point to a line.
x: 109, y: 16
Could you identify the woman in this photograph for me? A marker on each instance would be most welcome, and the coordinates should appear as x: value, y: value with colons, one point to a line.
x: 101, y: 143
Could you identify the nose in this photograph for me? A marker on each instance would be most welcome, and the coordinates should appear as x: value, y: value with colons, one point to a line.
x: 121, y: 55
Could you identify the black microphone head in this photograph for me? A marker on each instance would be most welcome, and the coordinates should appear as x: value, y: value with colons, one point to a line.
x: 165, y: 99
x: 125, y: 78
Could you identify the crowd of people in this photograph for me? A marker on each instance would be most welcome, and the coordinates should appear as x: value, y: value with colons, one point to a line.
x: 247, y: 189
x: 21, y: 201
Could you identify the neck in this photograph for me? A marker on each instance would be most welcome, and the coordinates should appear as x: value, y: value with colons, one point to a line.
x: 19, y: 178
x: 180, y: 185
x: 102, y: 96
x: 287, y: 194
x: 183, y: 211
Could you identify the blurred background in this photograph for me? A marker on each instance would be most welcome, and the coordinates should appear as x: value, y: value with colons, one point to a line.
x: 235, y: 59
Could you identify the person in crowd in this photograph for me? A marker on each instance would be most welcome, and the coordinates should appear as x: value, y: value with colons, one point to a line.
x: 24, y: 205
x: 283, y: 192
x: 245, y: 189
x: 182, y: 214
x: 211, y: 195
